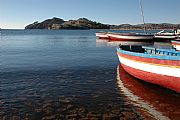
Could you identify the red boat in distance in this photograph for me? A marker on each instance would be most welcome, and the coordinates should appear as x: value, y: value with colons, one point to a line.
x: 130, y: 37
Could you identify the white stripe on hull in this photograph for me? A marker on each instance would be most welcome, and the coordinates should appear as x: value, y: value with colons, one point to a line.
x: 130, y: 37
x: 163, y: 70
x: 165, y: 37
x: 104, y: 36
x: 101, y: 35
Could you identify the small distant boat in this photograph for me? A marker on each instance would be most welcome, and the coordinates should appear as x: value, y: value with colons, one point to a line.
x: 176, y: 44
x: 102, y: 35
x: 157, y: 66
x: 165, y: 35
x: 130, y: 36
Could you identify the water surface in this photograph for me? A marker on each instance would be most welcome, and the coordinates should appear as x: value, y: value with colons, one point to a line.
x: 61, y: 74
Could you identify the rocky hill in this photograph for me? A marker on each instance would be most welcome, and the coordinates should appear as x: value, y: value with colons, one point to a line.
x: 57, y: 23
x: 149, y: 26
x: 84, y: 23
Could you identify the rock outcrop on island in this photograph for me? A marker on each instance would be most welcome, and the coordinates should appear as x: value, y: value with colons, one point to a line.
x: 57, y: 23
x: 84, y: 23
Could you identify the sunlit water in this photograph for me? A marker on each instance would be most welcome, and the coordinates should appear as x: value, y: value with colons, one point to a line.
x: 61, y: 74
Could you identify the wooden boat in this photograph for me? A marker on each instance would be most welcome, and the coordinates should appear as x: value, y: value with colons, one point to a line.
x: 165, y: 35
x: 130, y: 37
x: 152, y: 101
x: 102, y: 35
x: 157, y: 66
x: 176, y: 44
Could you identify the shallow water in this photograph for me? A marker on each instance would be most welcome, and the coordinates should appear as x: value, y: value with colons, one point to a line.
x: 61, y: 74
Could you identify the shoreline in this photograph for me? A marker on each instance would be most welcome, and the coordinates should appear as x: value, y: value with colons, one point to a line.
x: 82, y: 29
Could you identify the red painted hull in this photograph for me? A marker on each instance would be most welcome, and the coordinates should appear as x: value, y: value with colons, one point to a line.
x: 162, y: 80
x: 103, y: 37
x: 120, y: 39
x: 134, y: 37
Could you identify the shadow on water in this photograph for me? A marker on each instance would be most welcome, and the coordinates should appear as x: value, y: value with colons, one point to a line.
x: 154, y: 102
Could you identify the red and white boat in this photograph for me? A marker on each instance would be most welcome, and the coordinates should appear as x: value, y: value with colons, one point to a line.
x: 157, y: 66
x: 176, y: 44
x: 165, y: 35
x: 102, y: 35
x: 130, y: 36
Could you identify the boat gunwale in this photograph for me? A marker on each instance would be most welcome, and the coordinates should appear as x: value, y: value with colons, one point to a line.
x: 162, y: 50
x: 131, y: 34
x: 165, y: 35
x: 156, y: 56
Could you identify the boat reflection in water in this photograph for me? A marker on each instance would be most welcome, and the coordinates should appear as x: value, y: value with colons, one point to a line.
x: 101, y: 42
x: 152, y: 101
x: 110, y: 43
x: 134, y: 43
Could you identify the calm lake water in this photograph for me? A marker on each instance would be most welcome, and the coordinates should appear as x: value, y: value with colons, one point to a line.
x: 69, y: 74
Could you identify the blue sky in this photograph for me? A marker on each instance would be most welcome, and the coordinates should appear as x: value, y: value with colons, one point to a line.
x: 19, y: 13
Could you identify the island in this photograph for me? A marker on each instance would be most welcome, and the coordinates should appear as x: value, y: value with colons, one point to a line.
x: 85, y: 24
x: 57, y: 23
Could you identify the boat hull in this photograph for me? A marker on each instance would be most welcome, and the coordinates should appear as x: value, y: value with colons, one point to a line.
x: 124, y: 37
x: 165, y: 73
x: 165, y: 37
x: 102, y: 36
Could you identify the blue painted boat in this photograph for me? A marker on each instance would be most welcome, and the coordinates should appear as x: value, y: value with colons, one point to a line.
x: 157, y: 66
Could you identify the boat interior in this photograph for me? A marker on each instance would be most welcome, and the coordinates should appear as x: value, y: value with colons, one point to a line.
x: 149, y: 50
x: 131, y: 48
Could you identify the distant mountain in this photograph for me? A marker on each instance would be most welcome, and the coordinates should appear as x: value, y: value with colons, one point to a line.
x: 84, y: 23
x: 57, y: 23
x: 149, y: 26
